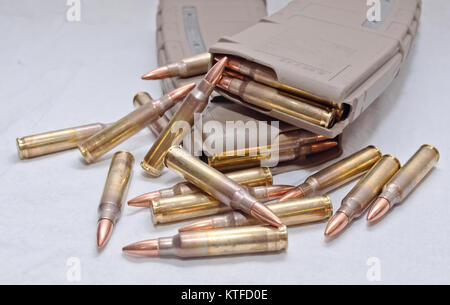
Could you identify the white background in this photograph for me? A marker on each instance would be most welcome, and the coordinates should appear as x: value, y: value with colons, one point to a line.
x: 56, y: 74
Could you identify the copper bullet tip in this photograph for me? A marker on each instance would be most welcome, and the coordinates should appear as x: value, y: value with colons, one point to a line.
x: 320, y: 138
x: 337, y: 224
x: 234, y: 64
x: 158, y: 73
x: 278, y: 190
x: 206, y: 224
x: 180, y: 93
x: 380, y: 207
x: 264, y: 214
x: 293, y: 194
x: 144, y: 201
x: 323, y: 146
x: 225, y: 82
x: 147, y: 248
x: 215, y: 73
x: 104, y: 230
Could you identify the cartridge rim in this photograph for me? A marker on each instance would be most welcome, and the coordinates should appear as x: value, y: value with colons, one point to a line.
x: 86, y: 154
x: 150, y: 170
x: 373, y: 146
x: 138, y: 95
x: 329, y: 204
x: 153, y: 210
x: 328, y: 199
x: 129, y: 155
x: 21, y: 148
x: 284, y: 240
x: 332, y: 120
x: 141, y: 93
x: 438, y: 155
x: 393, y: 157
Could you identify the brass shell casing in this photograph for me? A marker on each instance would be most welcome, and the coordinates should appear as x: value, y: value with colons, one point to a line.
x: 270, y: 98
x: 55, y: 141
x: 301, y: 211
x: 259, y: 176
x: 184, y: 207
x: 116, y: 185
x: 341, y: 172
x: 411, y: 174
x: 209, y: 179
x: 157, y: 126
x: 287, y: 146
x: 108, y: 138
x: 227, y: 241
x: 190, y: 66
x: 190, y: 206
x: 369, y: 187
x: 178, y: 127
x: 292, y: 213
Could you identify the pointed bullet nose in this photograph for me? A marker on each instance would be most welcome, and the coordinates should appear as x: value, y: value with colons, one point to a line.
x: 378, y: 210
x: 215, y: 73
x: 180, y: 93
x: 104, y: 230
x: 320, y: 138
x: 336, y: 224
x: 147, y: 248
x: 293, y: 194
x: 144, y: 201
x: 158, y: 73
x: 323, y: 146
x: 201, y: 225
x: 275, y: 191
x: 139, y: 203
x: 265, y: 214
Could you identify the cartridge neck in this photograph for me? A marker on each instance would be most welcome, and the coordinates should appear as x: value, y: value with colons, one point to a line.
x: 163, y: 104
x: 164, y: 193
x: 243, y: 201
x: 308, y: 188
x: 166, y: 246
x: 203, y: 90
x: 236, y: 87
x: 259, y: 192
x: 392, y: 194
x: 349, y: 207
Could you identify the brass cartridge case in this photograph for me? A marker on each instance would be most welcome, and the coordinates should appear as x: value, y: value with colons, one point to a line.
x: 113, y: 135
x: 410, y: 175
x: 181, y: 122
x: 260, y: 176
x: 284, y: 141
x: 190, y: 66
x: 292, y: 213
x: 251, y: 156
x: 116, y: 186
x: 219, y: 242
x: 270, y: 98
x: 369, y: 187
x: 257, y: 176
x: 267, y: 76
x: 185, y: 207
x: 55, y: 141
x: 157, y: 126
x: 217, y: 184
x: 274, y: 154
x: 337, y: 174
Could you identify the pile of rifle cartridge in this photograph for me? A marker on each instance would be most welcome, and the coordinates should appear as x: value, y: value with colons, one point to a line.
x: 246, y: 212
